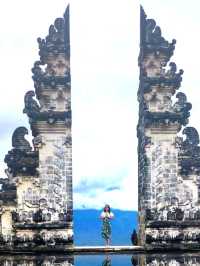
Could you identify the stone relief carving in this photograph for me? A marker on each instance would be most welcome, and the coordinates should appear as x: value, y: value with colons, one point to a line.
x: 163, y: 164
x: 172, y: 235
x: 53, y: 173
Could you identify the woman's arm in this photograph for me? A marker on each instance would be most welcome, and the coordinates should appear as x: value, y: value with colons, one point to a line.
x: 102, y: 216
x: 112, y: 215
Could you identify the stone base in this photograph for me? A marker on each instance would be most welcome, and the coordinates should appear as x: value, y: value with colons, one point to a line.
x: 37, y: 260
x: 32, y: 248
x: 172, y: 247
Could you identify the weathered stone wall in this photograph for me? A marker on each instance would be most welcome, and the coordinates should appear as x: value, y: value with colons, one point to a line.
x: 27, y: 198
x: 55, y: 175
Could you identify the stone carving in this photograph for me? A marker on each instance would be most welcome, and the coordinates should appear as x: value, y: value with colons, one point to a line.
x: 182, y: 105
x: 151, y: 37
x: 51, y: 117
x: 163, y: 163
x: 15, y: 216
x: 38, y: 216
x: 58, y: 39
x: 57, y: 71
x: 192, y: 137
x: 54, y: 239
x: 172, y: 213
x: 68, y: 140
x: 53, y: 181
x: 38, y: 141
x: 33, y: 111
x: 153, y: 34
x: 172, y: 236
x: 189, y: 152
x: 162, y: 78
x: 7, y: 192
x: 6, y: 185
x: 37, y: 70
x: 21, y: 159
x: 31, y: 106
x: 18, y: 140
x: 172, y: 74
x: 53, y: 76
x: 172, y: 71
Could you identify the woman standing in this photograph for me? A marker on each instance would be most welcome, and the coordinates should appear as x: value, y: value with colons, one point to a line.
x: 106, y: 216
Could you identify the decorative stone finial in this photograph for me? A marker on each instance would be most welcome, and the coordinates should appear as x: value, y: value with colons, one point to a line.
x: 151, y: 37
x: 57, y: 41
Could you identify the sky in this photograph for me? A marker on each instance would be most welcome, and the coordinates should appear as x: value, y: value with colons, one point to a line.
x: 104, y: 53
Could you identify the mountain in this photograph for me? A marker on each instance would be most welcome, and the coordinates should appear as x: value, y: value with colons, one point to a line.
x: 87, y: 227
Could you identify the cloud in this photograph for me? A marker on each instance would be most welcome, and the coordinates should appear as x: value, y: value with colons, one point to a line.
x: 87, y: 186
x: 112, y: 188
x: 121, y: 198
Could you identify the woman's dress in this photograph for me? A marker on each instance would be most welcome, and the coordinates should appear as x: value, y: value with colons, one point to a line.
x: 106, y: 226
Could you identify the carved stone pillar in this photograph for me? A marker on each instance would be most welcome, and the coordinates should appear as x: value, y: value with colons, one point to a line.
x: 42, y: 174
x: 50, y: 121
x: 168, y: 165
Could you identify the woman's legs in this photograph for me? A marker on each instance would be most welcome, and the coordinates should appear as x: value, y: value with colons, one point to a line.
x: 108, y: 241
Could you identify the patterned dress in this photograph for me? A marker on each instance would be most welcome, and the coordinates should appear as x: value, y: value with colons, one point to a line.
x: 106, y: 226
x: 106, y: 262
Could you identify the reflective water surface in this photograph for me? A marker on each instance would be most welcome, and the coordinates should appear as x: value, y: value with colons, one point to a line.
x: 103, y: 260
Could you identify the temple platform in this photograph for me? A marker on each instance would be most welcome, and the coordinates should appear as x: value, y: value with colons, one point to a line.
x: 72, y: 249
x: 81, y: 250
x: 105, y: 249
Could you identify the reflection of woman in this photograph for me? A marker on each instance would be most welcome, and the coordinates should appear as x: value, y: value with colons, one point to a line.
x: 107, y: 262
x: 106, y: 216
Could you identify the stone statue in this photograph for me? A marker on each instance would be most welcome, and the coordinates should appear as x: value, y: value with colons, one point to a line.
x: 31, y: 106
x: 18, y: 139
